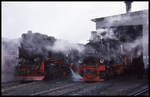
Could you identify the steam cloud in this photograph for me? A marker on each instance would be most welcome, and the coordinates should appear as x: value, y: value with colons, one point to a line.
x: 125, y: 44
x: 36, y: 44
x: 9, y: 58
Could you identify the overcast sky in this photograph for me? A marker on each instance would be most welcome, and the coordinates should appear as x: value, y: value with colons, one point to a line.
x: 64, y: 20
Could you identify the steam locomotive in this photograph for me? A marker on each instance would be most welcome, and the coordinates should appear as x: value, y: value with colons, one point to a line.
x: 113, y: 49
x: 37, y: 63
x: 39, y: 69
x: 118, y: 47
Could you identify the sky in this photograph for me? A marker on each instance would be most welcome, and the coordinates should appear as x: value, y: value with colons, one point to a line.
x: 64, y: 20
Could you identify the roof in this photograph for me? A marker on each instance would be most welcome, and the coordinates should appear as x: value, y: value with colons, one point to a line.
x: 126, y: 14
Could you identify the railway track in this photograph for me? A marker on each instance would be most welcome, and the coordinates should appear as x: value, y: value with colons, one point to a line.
x: 69, y: 87
x: 58, y: 88
x: 87, y: 89
x: 72, y: 89
x: 54, y: 91
x: 9, y: 84
x: 33, y: 88
x: 15, y: 85
x: 140, y: 91
x: 69, y: 90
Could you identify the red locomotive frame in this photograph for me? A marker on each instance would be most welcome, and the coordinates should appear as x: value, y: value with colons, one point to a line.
x: 35, y: 73
x: 97, y: 71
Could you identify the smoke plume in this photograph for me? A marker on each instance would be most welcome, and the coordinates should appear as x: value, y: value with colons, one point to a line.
x: 9, y: 58
x: 36, y: 44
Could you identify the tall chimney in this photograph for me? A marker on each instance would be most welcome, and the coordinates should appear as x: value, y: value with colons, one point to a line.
x: 128, y: 6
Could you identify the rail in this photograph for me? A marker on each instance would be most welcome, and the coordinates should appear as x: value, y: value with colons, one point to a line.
x: 141, y: 91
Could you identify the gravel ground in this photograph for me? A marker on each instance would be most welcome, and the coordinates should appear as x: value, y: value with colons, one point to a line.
x: 39, y: 86
x: 9, y: 84
x: 117, y: 86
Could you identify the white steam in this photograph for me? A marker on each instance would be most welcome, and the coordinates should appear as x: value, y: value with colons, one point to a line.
x: 130, y: 47
x: 106, y: 33
x: 9, y: 59
x: 65, y: 47
x: 75, y: 76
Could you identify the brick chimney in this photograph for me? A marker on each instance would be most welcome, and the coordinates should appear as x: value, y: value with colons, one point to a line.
x: 128, y: 6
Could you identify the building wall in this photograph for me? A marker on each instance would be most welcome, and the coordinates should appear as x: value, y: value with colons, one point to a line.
x: 133, y: 18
